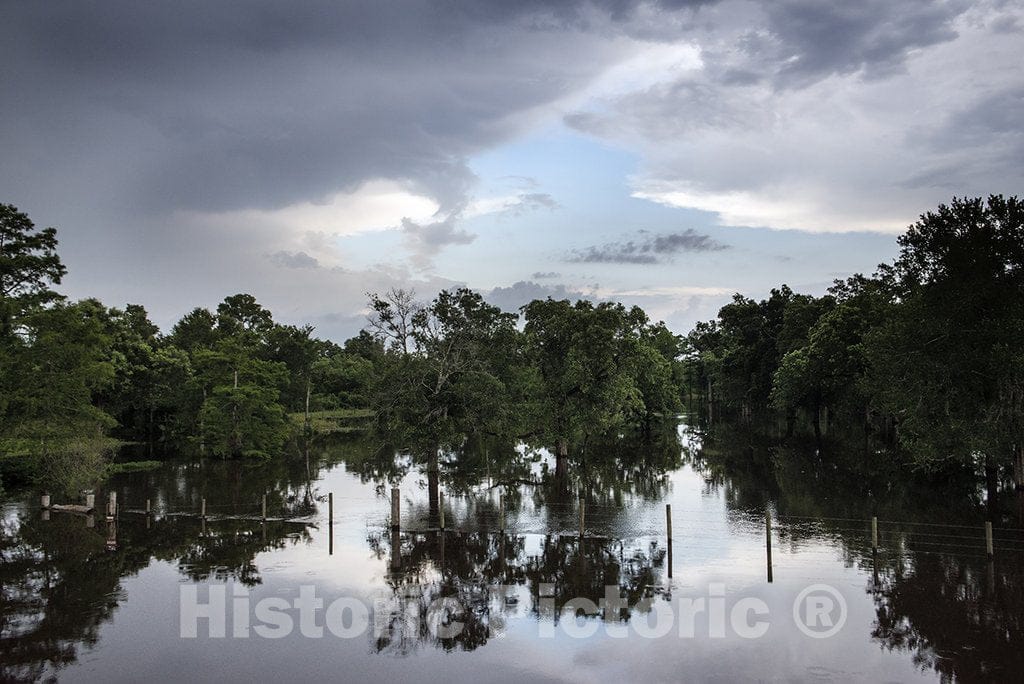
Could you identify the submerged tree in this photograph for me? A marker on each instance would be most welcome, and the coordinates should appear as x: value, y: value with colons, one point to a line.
x: 947, y: 360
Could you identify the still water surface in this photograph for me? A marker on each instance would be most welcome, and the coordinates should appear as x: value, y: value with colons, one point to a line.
x: 88, y: 600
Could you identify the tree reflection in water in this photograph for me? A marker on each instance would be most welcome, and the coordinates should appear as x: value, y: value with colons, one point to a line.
x: 61, y: 580
x: 475, y: 579
x: 951, y: 612
x: 936, y: 596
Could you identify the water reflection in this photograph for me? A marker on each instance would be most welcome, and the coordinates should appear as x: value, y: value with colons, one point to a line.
x: 481, y: 579
x: 62, y: 579
x: 936, y: 600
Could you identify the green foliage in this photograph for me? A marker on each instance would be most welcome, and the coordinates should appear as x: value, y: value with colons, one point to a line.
x: 947, y: 358
x: 445, y: 373
x: 28, y: 266
x: 600, y: 367
x: 244, y: 421
x: 132, y: 467
x: 930, y: 344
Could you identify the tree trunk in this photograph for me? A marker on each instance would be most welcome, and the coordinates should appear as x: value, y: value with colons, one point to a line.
x: 817, y: 422
x: 711, y: 403
x: 202, y: 426
x: 309, y: 387
x: 991, y: 485
x: 1018, y: 467
x: 562, y: 459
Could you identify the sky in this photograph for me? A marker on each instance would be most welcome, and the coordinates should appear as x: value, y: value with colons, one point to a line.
x: 667, y: 154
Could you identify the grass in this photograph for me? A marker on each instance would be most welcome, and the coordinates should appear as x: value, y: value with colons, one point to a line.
x: 132, y: 467
x: 334, y: 421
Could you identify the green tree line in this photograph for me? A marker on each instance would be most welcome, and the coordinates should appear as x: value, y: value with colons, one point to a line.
x: 928, y: 350
x: 232, y: 382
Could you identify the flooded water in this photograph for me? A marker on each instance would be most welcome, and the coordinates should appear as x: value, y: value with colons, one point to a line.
x: 509, y: 591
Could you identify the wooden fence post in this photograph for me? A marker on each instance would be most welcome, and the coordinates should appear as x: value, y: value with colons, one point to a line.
x: 330, y: 523
x: 396, y: 509
x: 768, y: 539
x: 501, y: 513
x: 988, y: 539
x: 583, y: 516
x: 668, y: 526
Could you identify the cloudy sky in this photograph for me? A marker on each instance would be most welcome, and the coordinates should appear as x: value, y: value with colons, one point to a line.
x: 660, y: 153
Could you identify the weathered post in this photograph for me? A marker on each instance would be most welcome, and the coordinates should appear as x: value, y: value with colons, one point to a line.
x: 440, y: 508
x: 396, y: 509
x: 90, y: 501
x: 668, y: 527
x: 988, y: 539
x: 874, y: 534
x: 44, y: 501
x: 111, y: 505
x: 396, y: 549
x: 112, y: 536
x: 501, y: 513
x: 202, y: 508
x: 263, y: 514
x: 330, y: 523
x: 583, y: 516
x: 768, y: 539
x: 149, y: 507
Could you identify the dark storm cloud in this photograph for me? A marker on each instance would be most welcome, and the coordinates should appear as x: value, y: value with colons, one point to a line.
x: 215, y: 105
x: 812, y: 39
x: 647, y: 249
x: 992, y: 121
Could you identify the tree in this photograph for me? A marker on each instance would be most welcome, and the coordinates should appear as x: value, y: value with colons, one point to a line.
x: 196, y: 330
x: 947, y: 358
x: 29, y: 265
x: 391, y: 318
x: 242, y: 417
x: 582, y: 353
x: 242, y: 315
x: 52, y: 370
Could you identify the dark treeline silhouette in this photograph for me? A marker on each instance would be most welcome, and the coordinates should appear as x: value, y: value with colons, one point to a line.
x: 926, y: 352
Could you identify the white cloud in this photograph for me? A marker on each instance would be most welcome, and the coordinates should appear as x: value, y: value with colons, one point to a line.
x: 879, y: 129
x: 375, y: 205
